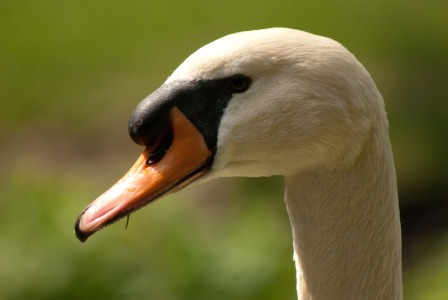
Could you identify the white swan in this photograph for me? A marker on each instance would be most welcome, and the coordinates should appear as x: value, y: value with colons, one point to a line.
x: 278, y: 102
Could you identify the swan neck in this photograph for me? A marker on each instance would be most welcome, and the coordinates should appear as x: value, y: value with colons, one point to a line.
x: 346, y: 228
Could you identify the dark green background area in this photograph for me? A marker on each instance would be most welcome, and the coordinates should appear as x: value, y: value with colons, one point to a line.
x: 72, y: 71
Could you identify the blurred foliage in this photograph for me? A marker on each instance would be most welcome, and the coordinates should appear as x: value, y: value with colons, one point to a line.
x: 72, y: 71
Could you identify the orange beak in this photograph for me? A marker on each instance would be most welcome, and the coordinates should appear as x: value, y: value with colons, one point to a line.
x: 186, y: 159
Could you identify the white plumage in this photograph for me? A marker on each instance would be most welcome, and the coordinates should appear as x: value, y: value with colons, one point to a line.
x: 315, y: 116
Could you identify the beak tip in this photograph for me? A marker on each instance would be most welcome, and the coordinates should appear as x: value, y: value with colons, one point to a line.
x: 81, y: 235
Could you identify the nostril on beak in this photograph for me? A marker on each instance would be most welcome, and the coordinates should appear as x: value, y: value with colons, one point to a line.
x: 164, y: 144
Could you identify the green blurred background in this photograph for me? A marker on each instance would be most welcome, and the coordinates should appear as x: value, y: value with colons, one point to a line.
x: 72, y: 71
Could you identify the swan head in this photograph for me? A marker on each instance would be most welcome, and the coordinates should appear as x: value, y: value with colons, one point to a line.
x: 256, y: 103
x: 308, y: 101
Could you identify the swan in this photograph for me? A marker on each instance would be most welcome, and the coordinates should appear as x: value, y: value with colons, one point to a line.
x: 284, y: 102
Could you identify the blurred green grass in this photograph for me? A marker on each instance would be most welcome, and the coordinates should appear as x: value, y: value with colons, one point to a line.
x: 72, y: 71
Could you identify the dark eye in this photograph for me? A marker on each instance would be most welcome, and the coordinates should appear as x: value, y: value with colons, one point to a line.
x: 239, y: 83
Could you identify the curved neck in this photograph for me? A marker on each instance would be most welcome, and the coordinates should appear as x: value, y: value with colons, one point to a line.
x: 346, y: 228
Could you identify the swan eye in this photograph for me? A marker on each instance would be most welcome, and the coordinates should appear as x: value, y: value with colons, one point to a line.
x: 239, y: 83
